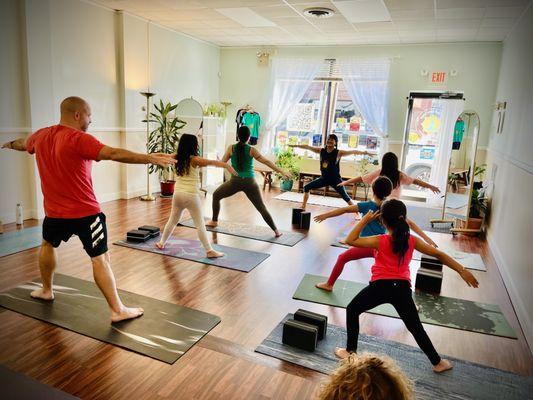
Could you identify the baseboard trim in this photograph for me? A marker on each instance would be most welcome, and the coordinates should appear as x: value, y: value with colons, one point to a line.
x: 524, y: 320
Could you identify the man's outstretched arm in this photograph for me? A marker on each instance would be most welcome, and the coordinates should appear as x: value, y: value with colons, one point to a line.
x: 130, y: 157
x: 19, y: 145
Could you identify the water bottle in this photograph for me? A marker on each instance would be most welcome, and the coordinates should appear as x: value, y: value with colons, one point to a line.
x: 19, y: 214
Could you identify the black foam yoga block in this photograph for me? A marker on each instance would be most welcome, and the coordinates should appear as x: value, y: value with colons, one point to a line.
x: 138, y: 235
x: 305, y: 221
x: 154, y: 230
x: 318, y: 320
x: 299, y: 334
x: 428, y: 280
x: 296, y: 216
x: 430, y: 263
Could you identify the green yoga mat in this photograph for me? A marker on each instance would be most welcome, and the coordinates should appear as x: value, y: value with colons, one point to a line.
x: 165, y: 332
x: 20, y: 240
x: 435, y: 310
x: 262, y: 233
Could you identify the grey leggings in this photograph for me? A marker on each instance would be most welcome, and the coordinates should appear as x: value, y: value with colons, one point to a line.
x: 250, y: 187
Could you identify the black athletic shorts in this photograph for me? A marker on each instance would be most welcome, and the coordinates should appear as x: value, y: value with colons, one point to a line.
x: 91, y: 230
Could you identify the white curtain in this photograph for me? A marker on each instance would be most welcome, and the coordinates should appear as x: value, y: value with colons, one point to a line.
x: 290, y: 80
x: 367, y: 83
x: 451, y: 109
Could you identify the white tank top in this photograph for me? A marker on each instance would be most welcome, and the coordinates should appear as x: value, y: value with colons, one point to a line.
x: 189, y: 183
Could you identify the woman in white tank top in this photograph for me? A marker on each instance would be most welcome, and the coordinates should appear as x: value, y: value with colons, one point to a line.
x: 187, y: 191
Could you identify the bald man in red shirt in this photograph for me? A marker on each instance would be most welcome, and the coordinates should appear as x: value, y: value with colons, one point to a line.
x: 65, y: 153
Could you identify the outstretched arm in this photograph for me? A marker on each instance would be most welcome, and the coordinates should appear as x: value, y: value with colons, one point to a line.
x: 355, y: 152
x: 263, y: 160
x: 444, y: 258
x: 353, y: 238
x: 426, y: 185
x: 204, y: 162
x: 18, y: 144
x: 357, y: 180
x: 307, y: 147
x: 416, y: 229
x: 227, y: 154
x: 129, y: 157
x: 337, y: 212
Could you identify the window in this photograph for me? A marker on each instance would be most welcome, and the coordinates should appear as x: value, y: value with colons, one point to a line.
x: 326, y: 108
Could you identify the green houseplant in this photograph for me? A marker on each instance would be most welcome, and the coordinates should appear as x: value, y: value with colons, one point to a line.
x: 287, y: 160
x: 164, y: 139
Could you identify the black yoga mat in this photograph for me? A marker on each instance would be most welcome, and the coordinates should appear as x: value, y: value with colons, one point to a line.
x: 165, y: 331
x: 465, y: 381
x: 255, y: 232
x: 187, y: 249
x: 14, y: 385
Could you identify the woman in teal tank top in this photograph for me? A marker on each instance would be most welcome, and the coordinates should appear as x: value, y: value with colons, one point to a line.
x: 242, y: 157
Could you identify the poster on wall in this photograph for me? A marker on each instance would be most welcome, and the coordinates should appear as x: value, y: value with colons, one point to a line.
x: 355, y: 124
x: 362, y: 140
x: 293, y: 140
x: 341, y: 124
x: 317, y: 140
x: 282, y: 138
x: 371, y: 142
x: 300, y: 118
x: 352, y: 141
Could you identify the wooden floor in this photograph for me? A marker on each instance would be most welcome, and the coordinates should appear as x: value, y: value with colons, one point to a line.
x: 223, y: 364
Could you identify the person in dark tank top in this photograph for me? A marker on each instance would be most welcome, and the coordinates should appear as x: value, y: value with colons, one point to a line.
x: 330, y: 157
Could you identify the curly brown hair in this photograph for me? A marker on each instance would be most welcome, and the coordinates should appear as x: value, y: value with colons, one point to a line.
x: 367, y: 377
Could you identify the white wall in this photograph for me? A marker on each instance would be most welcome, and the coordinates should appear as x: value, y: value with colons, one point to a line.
x: 243, y: 81
x: 52, y: 49
x: 510, y: 157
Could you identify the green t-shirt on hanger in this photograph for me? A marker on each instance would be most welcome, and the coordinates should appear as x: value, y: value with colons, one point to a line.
x: 252, y: 121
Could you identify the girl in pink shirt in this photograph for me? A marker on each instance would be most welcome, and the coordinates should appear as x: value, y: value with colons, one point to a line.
x: 390, y: 281
x: 389, y: 168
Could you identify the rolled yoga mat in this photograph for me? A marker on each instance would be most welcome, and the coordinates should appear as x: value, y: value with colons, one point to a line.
x: 435, y: 310
x: 263, y: 233
x: 165, y: 331
x: 20, y: 240
x: 14, y: 385
x: 187, y: 249
x: 468, y: 260
x: 465, y: 381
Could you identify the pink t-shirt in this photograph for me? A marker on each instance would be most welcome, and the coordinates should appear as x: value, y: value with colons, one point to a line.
x: 64, y: 159
x: 397, y: 191
x: 386, y: 262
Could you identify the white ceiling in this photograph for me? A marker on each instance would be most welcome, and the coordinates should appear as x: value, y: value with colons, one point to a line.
x: 282, y: 22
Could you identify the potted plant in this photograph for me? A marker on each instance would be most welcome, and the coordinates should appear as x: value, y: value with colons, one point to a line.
x: 215, y: 110
x: 287, y: 160
x: 164, y: 139
x: 478, y: 209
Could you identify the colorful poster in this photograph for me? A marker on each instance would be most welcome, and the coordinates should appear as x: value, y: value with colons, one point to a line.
x: 355, y: 124
x: 293, y: 139
x: 300, y: 118
x: 341, y: 124
x: 317, y: 140
x: 352, y: 141
x: 372, y: 142
x: 362, y: 140
x: 427, y: 153
x: 282, y: 137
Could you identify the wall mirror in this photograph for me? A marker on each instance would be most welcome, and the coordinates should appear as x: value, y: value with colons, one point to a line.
x: 190, y: 111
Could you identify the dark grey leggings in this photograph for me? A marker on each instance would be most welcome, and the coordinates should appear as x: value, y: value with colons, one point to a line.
x: 250, y: 187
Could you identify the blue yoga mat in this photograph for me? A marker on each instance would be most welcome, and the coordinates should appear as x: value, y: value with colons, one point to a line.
x: 20, y: 240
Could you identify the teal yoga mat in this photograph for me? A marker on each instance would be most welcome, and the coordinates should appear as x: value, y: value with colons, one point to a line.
x: 20, y: 240
x: 435, y: 310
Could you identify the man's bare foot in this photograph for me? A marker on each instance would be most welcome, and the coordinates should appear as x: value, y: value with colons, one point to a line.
x: 444, y: 365
x: 211, y: 223
x: 126, y: 313
x: 277, y: 233
x: 214, y: 254
x: 43, y: 294
x: 341, y: 353
x: 160, y: 246
x: 324, y: 286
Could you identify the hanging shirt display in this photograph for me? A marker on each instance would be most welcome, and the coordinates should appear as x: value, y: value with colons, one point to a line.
x: 253, y: 121
x: 458, y: 133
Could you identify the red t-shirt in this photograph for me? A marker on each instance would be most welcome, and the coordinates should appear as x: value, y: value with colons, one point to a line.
x: 64, y: 158
x: 386, y: 262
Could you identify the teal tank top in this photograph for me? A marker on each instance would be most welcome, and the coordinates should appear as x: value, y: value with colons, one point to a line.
x: 248, y: 168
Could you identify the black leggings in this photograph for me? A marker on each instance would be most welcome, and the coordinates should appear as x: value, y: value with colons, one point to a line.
x: 398, y: 293
x: 333, y: 182
x: 250, y: 187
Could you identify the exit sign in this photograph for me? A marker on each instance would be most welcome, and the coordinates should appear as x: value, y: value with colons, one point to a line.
x: 438, y: 77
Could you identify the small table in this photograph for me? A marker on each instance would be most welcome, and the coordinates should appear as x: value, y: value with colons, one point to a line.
x: 267, y: 176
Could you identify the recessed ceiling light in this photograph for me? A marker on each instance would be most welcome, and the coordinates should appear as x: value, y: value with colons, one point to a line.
x: 319, y: 12
x: 245, y: 16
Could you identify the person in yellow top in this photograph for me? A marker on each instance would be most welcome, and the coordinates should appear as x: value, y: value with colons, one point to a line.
x: 187, y: 191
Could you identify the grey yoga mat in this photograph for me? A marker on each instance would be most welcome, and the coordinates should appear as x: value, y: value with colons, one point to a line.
x: 20, y: 240
x: 165, y: 331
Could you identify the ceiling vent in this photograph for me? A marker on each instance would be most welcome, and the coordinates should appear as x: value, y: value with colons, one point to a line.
x: 319, y: 12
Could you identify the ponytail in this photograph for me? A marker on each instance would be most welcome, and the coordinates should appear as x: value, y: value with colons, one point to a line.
x: 243, y: 134
x: 394, y: 216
